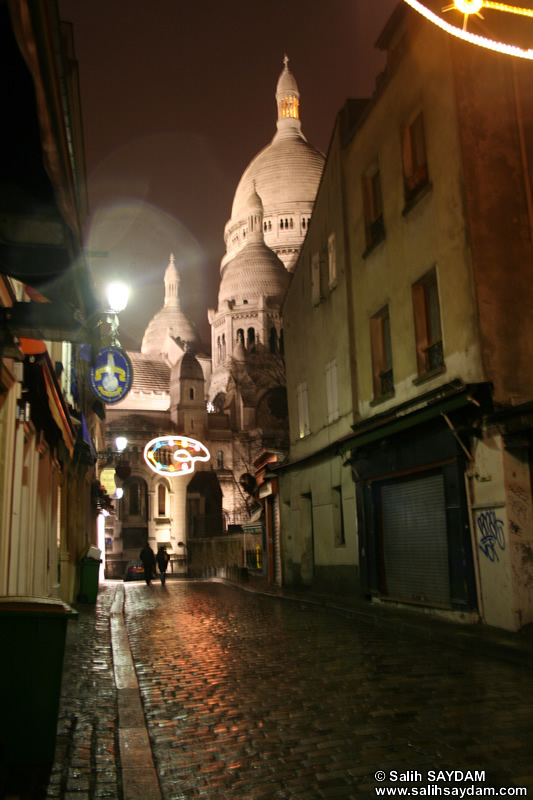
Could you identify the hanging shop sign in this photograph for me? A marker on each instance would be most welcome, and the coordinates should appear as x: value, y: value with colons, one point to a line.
x: 174, y: 455
x: 112, y: 376
x: 107, y: 480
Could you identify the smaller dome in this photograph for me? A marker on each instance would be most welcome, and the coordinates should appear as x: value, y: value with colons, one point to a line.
x: 189, y: 367
x: 256, y: 271
x: 170, y: 320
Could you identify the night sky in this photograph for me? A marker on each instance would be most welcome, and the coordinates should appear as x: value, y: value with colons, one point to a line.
x: 177, y: 98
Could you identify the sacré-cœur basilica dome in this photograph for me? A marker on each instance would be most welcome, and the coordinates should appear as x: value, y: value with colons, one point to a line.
x: 285, y: 175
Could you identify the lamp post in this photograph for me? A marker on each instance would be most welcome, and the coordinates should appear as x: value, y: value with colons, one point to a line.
x: 117, y: 298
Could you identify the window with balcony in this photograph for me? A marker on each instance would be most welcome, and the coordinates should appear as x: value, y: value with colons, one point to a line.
x: 428, y: 330
x: 373, y: 208
x: 380, y: 340
x: 415, y: 168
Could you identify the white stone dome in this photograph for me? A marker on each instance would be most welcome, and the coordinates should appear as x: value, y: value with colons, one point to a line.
x: 170, y: 320
x: 256, y: 271
x: 286, y: 175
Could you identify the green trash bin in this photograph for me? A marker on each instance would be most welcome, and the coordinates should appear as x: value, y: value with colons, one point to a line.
x: 89, y: 579
x: 33, y: 632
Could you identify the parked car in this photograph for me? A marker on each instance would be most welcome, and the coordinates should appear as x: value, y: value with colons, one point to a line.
x: 134, y: 571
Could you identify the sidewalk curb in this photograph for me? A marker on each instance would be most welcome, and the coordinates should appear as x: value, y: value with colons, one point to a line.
x: 139, y: 776
x: 451, y: 634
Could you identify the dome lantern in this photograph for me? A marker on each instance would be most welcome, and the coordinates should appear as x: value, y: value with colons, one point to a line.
x: 288, y: 100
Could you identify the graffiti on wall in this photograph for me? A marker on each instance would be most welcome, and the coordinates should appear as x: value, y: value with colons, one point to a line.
x: 492, y: 535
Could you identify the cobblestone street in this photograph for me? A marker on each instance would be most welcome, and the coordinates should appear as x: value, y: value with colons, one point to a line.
x: 249, y: 697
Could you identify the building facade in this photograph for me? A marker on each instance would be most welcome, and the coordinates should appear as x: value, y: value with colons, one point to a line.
x: 437, y: 215
x: 317, y: 494
x: 233, y: 400
x: 48, y: 503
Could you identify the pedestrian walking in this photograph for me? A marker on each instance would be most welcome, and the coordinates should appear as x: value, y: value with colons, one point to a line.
x: 162, y: 559
x: 147, y: 557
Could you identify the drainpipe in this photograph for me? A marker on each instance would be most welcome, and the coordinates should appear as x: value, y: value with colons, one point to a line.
x: 523, y: 150
x: 468, y: 486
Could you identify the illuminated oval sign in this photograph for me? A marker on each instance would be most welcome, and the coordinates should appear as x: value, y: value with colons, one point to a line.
x: 174, y: 455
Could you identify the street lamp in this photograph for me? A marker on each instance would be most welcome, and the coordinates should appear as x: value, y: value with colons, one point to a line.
x: 117, y: 296
x: 121, y: 443
x: 110, y: 455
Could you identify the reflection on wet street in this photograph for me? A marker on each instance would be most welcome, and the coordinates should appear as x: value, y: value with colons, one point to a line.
x: 251, y: 697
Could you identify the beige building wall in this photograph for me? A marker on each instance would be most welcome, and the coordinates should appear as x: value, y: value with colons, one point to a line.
x: 318, y: 519
x: 433, y: 234
x: 471, y: 225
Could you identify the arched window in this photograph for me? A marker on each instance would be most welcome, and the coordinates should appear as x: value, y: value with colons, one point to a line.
x: 191, y: 394
x: 220, y: 459
x: 161, y: 500
x: 134, y: 502
x: 251, y: 339
x: 240, y: 336
x: 223, y: 345
x: 219, y: 349
x: 273, y: 339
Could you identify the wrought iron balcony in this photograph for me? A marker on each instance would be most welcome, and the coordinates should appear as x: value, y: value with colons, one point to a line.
x: 434, y: 356
x: 386, y: 381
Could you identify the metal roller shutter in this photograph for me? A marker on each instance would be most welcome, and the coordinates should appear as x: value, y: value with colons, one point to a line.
x: 276, y: 542
x: 415, y: 545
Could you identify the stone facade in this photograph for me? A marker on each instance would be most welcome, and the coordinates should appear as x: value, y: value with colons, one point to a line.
x: 232, y: 400
x: 437, y: 237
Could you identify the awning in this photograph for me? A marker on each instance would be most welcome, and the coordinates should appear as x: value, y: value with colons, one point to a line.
x: 406, y: 416
x: 41, y: 382
x: 254, y: 523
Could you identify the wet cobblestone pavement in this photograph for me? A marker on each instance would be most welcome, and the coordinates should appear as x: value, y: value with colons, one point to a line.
x: 85, y: 763
x: 250, y: 697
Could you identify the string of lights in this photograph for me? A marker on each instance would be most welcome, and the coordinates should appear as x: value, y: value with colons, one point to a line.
x: 468, y: 7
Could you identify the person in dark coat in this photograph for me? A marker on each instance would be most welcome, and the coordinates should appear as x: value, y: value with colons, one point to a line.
x: 147, y: 557
x: 162, y: 559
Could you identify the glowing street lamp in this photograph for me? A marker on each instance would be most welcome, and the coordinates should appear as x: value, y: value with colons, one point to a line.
x: 117, y: 296
x: 121, y: 443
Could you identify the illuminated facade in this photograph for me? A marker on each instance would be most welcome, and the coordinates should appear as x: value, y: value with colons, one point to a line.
x: 436, y: 405
x: 242, y: 381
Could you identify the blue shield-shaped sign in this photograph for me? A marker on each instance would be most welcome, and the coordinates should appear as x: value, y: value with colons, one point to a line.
x: 112, y: 376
